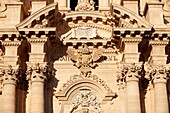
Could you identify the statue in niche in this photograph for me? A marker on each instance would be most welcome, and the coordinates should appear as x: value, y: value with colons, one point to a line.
x: 85, y: 5
x: 85, y: 59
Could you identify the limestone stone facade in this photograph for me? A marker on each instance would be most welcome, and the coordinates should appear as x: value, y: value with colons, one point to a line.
x: 85, y: 56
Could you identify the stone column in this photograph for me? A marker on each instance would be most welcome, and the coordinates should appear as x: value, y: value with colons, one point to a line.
x: 132, y: 88
x: 161, y: 97
x: 37, y: 76
x: 9, y: 90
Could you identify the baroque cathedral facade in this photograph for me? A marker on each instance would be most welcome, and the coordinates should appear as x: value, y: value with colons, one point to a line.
x: 84, y: 56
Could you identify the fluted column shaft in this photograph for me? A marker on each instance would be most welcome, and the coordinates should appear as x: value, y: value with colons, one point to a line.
x: 133, y: 97
x: 161, y: 97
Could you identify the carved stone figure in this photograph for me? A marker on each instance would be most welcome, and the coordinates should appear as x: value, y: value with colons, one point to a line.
x: 85, y: 59
x: 85, y: 99
x: 85, y: 6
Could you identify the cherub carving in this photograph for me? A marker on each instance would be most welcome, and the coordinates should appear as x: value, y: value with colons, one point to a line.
x: 85, y: 6
x: 85, y: 58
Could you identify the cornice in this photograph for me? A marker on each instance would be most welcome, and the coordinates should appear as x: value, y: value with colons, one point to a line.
x: 11, y: 43
x: 159, y: 42
x: 37, y: 40
x: 132, y: 15
x: 131, y: 40
x: 37, y: 15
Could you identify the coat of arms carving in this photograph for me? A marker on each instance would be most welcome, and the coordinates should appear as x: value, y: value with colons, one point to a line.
x: 85, y: 59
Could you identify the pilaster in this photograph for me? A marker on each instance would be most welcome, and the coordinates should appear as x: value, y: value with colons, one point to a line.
x: 131, y: 53
x: 64, y: 5
x: 11, y: 49
x: 131, y: 4
x: 15, y: 8
x: 104, y: 5
x: 37, y: 4
x: 158, y: 52
x: 37, y: 49
x: 155, y: 10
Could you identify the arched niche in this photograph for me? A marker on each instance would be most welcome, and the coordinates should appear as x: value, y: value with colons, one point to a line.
x: 78, y: 82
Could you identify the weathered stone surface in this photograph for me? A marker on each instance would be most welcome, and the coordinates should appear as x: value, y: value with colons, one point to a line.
x: 84, y: 56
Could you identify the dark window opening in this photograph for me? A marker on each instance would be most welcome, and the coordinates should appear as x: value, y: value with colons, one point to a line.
x: 96, y: 5
x: 167, y: 52
x: 73, y: 4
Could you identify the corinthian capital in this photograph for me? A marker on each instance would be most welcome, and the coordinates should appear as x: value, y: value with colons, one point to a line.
x: 158, y: 73
x: 134, y: 71
x: 11, y: 74
x: 127, y: 72
x: 38, y: 72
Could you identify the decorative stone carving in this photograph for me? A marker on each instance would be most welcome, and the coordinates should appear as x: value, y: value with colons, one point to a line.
x: 85, y: 59
x: 11, y: 74
x: 129, y: 71
x: 76, y: 78
x: 157, y: 73
x: 85, y: 5
x: 2, y: 8
x: 85, y: 98
x: 38, y: 72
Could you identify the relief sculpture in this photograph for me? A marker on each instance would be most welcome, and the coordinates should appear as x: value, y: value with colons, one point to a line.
x: 85, y: 59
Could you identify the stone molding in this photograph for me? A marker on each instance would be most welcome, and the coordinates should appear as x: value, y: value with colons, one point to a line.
x: 44, y: 11
x: 75, y: 80
x: 37, y: 40
x: 11, y: 43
